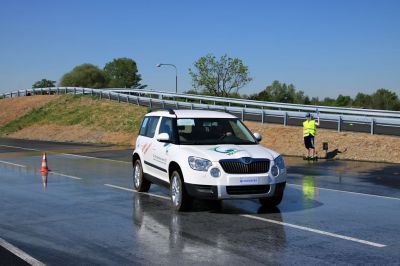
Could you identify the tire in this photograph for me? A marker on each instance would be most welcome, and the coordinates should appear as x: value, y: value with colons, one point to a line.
x: 181, y: 201
x: 273, y: 201
x: 139, y: 182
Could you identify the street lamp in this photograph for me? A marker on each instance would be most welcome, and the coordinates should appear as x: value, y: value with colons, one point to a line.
x: 176, y: 74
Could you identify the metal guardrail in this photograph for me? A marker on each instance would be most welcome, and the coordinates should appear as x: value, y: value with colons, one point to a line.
x: 263, y: 104
x: 346, y: 122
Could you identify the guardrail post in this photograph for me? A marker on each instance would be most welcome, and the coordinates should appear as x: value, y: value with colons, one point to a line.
x: 26, y: 92
x: 109, y: 95
x: 18, y: 93
x: 285, y: 119
x: 262, y: 116
x: 150, y: 105
x: 83, y: 91
x: 339, y: 126
x: 137, y: 100
x: 41, y: 91
x: 163, y: 104
x: 74, y: 91
x: 243, y: 114
x: 118, y: 97
x: 101, y: 95
x: 191, y: 106
x: 177, y: 105
x: 372, y: 126
x: 91, y: 92
x: 127, y: 99
x: 58, y: 91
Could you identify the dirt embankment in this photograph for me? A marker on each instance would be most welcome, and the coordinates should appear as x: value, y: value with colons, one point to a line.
x: 87, y: 120
x: 11, y: 109
x: 342, y: 145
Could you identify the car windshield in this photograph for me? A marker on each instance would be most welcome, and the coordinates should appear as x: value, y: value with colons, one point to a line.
x: 212, y: 131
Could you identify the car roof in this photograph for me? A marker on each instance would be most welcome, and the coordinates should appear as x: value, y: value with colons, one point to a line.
x: 192, y: 114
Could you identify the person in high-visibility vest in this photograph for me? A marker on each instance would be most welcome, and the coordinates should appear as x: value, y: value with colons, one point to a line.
x: 309, y: 132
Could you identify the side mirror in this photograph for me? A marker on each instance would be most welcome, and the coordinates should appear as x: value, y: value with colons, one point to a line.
x: 163, y: 137
x: 257, y: 136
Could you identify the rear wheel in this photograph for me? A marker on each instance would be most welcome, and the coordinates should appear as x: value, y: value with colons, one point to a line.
x: 181, y: 201
x: 139, y: 182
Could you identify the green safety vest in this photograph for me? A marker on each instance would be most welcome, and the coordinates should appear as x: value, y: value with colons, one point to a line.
x: 309, y: 128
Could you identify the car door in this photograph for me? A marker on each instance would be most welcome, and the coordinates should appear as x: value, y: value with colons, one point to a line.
x: 147, y: 139
x: 159, y: 150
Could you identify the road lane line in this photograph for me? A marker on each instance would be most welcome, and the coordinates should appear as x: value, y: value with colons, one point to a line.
x: 13, y: 164
x: 20, y: 254
x: 90, y: 157
x: 308, y: 229
x: 67, y: 154
x: 16, y: 147
x: 132, y: 190
x: 349, y: 192
x: 64, y: 175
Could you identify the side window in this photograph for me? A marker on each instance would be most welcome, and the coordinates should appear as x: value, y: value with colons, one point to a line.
x: 166, y: 127
x: 149, y: 126
x: 142, y: 131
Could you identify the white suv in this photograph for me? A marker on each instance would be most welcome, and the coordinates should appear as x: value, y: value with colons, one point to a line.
x: 205, y: 155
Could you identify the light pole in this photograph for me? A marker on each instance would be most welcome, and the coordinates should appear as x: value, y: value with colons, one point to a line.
x: 176, y: 74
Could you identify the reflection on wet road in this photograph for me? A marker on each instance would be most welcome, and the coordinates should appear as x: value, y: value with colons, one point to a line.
x: 85, y: 212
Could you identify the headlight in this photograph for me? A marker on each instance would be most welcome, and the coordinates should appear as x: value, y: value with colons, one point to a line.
x: 280, y: 162
x: 199, y: 164
x: 278, y: 167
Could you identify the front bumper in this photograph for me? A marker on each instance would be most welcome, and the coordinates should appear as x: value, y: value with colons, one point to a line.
x: 234, y: 192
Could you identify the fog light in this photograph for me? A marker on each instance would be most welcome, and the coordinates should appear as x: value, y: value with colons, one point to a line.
x: 275, y: 170
x: 215, y: 172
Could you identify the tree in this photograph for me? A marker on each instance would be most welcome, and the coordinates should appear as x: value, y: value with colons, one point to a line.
x: 281, y: 92
x: 219, y: 77
x: 44, y: 83
x: 385, y: 99
x: 342, y: 100
x: 85, y: 75
x: 122, y: 73
x: 363, y: 100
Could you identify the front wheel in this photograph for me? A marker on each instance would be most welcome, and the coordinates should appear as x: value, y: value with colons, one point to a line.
x: 139, y: 182
x: 273, y: 201
x: 181, y: 201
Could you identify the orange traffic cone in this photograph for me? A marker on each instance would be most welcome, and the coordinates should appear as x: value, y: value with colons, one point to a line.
x: 44, y: 169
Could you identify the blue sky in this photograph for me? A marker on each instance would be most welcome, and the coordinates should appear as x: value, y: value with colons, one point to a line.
x: 322, y: 47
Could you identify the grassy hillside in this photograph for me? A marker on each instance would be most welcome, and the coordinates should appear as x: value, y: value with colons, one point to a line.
x: 69, y: 112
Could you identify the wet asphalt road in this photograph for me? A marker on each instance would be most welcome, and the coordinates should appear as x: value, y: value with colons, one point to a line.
x: 333, y: 212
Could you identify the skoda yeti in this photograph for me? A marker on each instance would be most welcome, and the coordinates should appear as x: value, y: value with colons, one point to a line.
x: 205, y: 155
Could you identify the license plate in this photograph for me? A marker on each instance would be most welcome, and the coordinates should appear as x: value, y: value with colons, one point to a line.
x: 248, y: 180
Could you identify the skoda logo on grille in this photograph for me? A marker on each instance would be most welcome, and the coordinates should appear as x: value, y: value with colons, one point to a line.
x: 246, y: 160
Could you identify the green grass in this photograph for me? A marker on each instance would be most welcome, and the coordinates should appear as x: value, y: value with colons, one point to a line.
x: 82, y: 110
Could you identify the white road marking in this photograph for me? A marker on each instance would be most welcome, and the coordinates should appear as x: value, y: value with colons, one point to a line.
x: 308, y: 229
x: 64, y: 175
x: 20, y: 254
x: 14, y: 164
x: 67, y: 154
x: 22, y: 148
x: 132, y: 190
x: 90, y: 157
x: 349, y: 192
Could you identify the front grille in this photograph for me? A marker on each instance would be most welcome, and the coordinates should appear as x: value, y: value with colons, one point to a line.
x: 236, y: 166
x: 242, y: 190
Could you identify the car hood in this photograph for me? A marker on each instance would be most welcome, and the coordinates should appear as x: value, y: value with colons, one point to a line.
x: 228, y: 151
